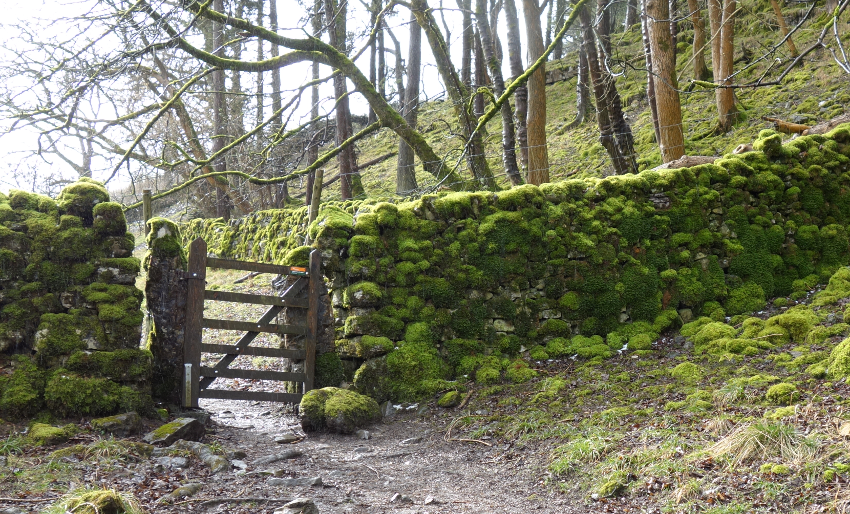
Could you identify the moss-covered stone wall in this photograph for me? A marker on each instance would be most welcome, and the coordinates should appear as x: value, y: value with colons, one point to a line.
x: 70, y: 322
x: 463, y: 283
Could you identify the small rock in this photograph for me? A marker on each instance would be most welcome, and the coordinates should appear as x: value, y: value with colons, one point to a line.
x: 216, y: 463
x: 287, y: 438
x: 266, y: 413
x: 363, y: 449
x: 200, y: 414
x: 188, y: 429
x: 388, y: 410
x: 182, y: 492
x: 122, y: 425
x: 401, y: 498
x: 364, y: 434
x: 844, y: 429
x: 241, y: 464
x: 227, y: 415
x: 412, y: 440
x: 298, y: 506
x: 173, y: 462
x: 288, y: 454
x: 13, y: 510
x: 236, y: 455
x: 295, y: 482
x: 429, y: 500
x: 3, y: 461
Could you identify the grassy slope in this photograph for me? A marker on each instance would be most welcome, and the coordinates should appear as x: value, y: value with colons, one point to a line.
x: 816, y: 90
x: 695, y: 424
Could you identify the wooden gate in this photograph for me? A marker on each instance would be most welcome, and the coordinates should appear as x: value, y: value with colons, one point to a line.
x: 198, y: 378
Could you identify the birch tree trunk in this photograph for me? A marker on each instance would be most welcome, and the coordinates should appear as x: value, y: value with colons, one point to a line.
x: 521, y: 93
x: 650, y: 84
x: 700, y: 69
x: 495, y: 67
x: 792, y: 48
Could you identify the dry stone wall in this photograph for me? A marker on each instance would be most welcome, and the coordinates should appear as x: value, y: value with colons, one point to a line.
x: 70, y: 323
x: 477, y: 283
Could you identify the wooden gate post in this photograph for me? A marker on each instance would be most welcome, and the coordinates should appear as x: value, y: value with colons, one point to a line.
x: 312, y: 318
x: 194, y: 313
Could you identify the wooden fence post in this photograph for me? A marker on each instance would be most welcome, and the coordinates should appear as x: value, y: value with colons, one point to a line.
x: 312, y: 317
x: 194, y: 313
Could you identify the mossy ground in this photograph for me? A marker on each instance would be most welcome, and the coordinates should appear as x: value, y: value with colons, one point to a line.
x: 676, y: 427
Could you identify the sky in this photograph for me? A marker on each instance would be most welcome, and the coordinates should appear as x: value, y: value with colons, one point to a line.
x: 20, y: 143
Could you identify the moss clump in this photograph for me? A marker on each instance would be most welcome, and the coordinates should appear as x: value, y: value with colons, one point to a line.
x: 124, y: 365
x: 749, y: 297
x: 782, y: 393
x: 69, y: 394
x: 487, y: 375
x: 688, y: 372
x: 41, y: 434
x: 838, y: 364
x: 518, y: 372
x: 109, y: 219
x: 164, y: 241
x: 329, y: 370
x: 362, y: 294
x: 81, y: 197
x: 640, y: 342
x: 449, y: 400
x: 21, y: 395
x: 613, y: 487
x: 339, y: 410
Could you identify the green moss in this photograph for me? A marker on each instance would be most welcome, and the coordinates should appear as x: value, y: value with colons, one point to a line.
x: 449, y: 400
x: 164, y: 241
x: 345, y: 411
x: 126, y: 364
x: 782, y: 393
x: 375, y: 324
x: 362, y: 294
x: 640, y: 342
x: 329, y: 370
x: 538, y: 353
x: 419, y: 333
x: 518, y: 372
x: 749, y: 297
x: 41, y: 434
x: 688, y: 372
x: 109, y: 219
x: 70, y: 394
x: 80, y: 198
x: 838, y: 364
x: 22, y: 394
x: 488, y: 376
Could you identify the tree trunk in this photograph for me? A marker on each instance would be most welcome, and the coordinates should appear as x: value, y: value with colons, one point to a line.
x: 521, y: 93
x: 700, y: 69
x: 583, y: 105
x: 281, y: 191
x: 260, y: 23
x: 632, y: 15
x: 313, y: 148
x: 548, y: 40
x: 673, y: 7
x: 603, y: 115
x: 672, y: 141
x: 538, y: 154
x: 561, y: 8
x: 219, y: 115
x: 458, y: 95
x: 792, y: 49
x: 622, y: 131
x: 373, y: 55
x: 467, y: 43
x: 495, y: 67
x: 480, y: 78
x: 399, y: 69
x: 349, y: 179
x: 650, y: 84
x: 406, y: 172
x: 382, y: 64
x: 721, y: 17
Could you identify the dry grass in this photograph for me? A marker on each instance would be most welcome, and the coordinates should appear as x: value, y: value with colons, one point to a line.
x: 763, y: 440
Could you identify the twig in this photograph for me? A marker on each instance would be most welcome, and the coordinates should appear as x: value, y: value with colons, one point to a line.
x: 485, y: 443
x: 466, y: 399
x: 215, y: 501
x: 373, y: 469
x: 246, y: 277
x: 28, y: 500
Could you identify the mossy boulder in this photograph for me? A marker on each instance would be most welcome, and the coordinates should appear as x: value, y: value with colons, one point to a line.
x: 450, y: 400
x: 81, y: 197
x: 838, y: 364
x: 41, y: 434
x: 362, y: 294
x: 338, y: 410
x: 99, y: 501
x: 70, y: 394
x: 188, y: 429
x: 121, y: 425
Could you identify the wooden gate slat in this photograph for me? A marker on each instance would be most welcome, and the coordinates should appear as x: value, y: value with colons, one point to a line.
x: 261, y: 267
x: 253, y: 374
x: 245, y: 326
x: 283, y: 353
x: 260, y: 396
x: 256, y: 299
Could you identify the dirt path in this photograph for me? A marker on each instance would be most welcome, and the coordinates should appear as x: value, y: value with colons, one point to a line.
x: 406, y: 467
